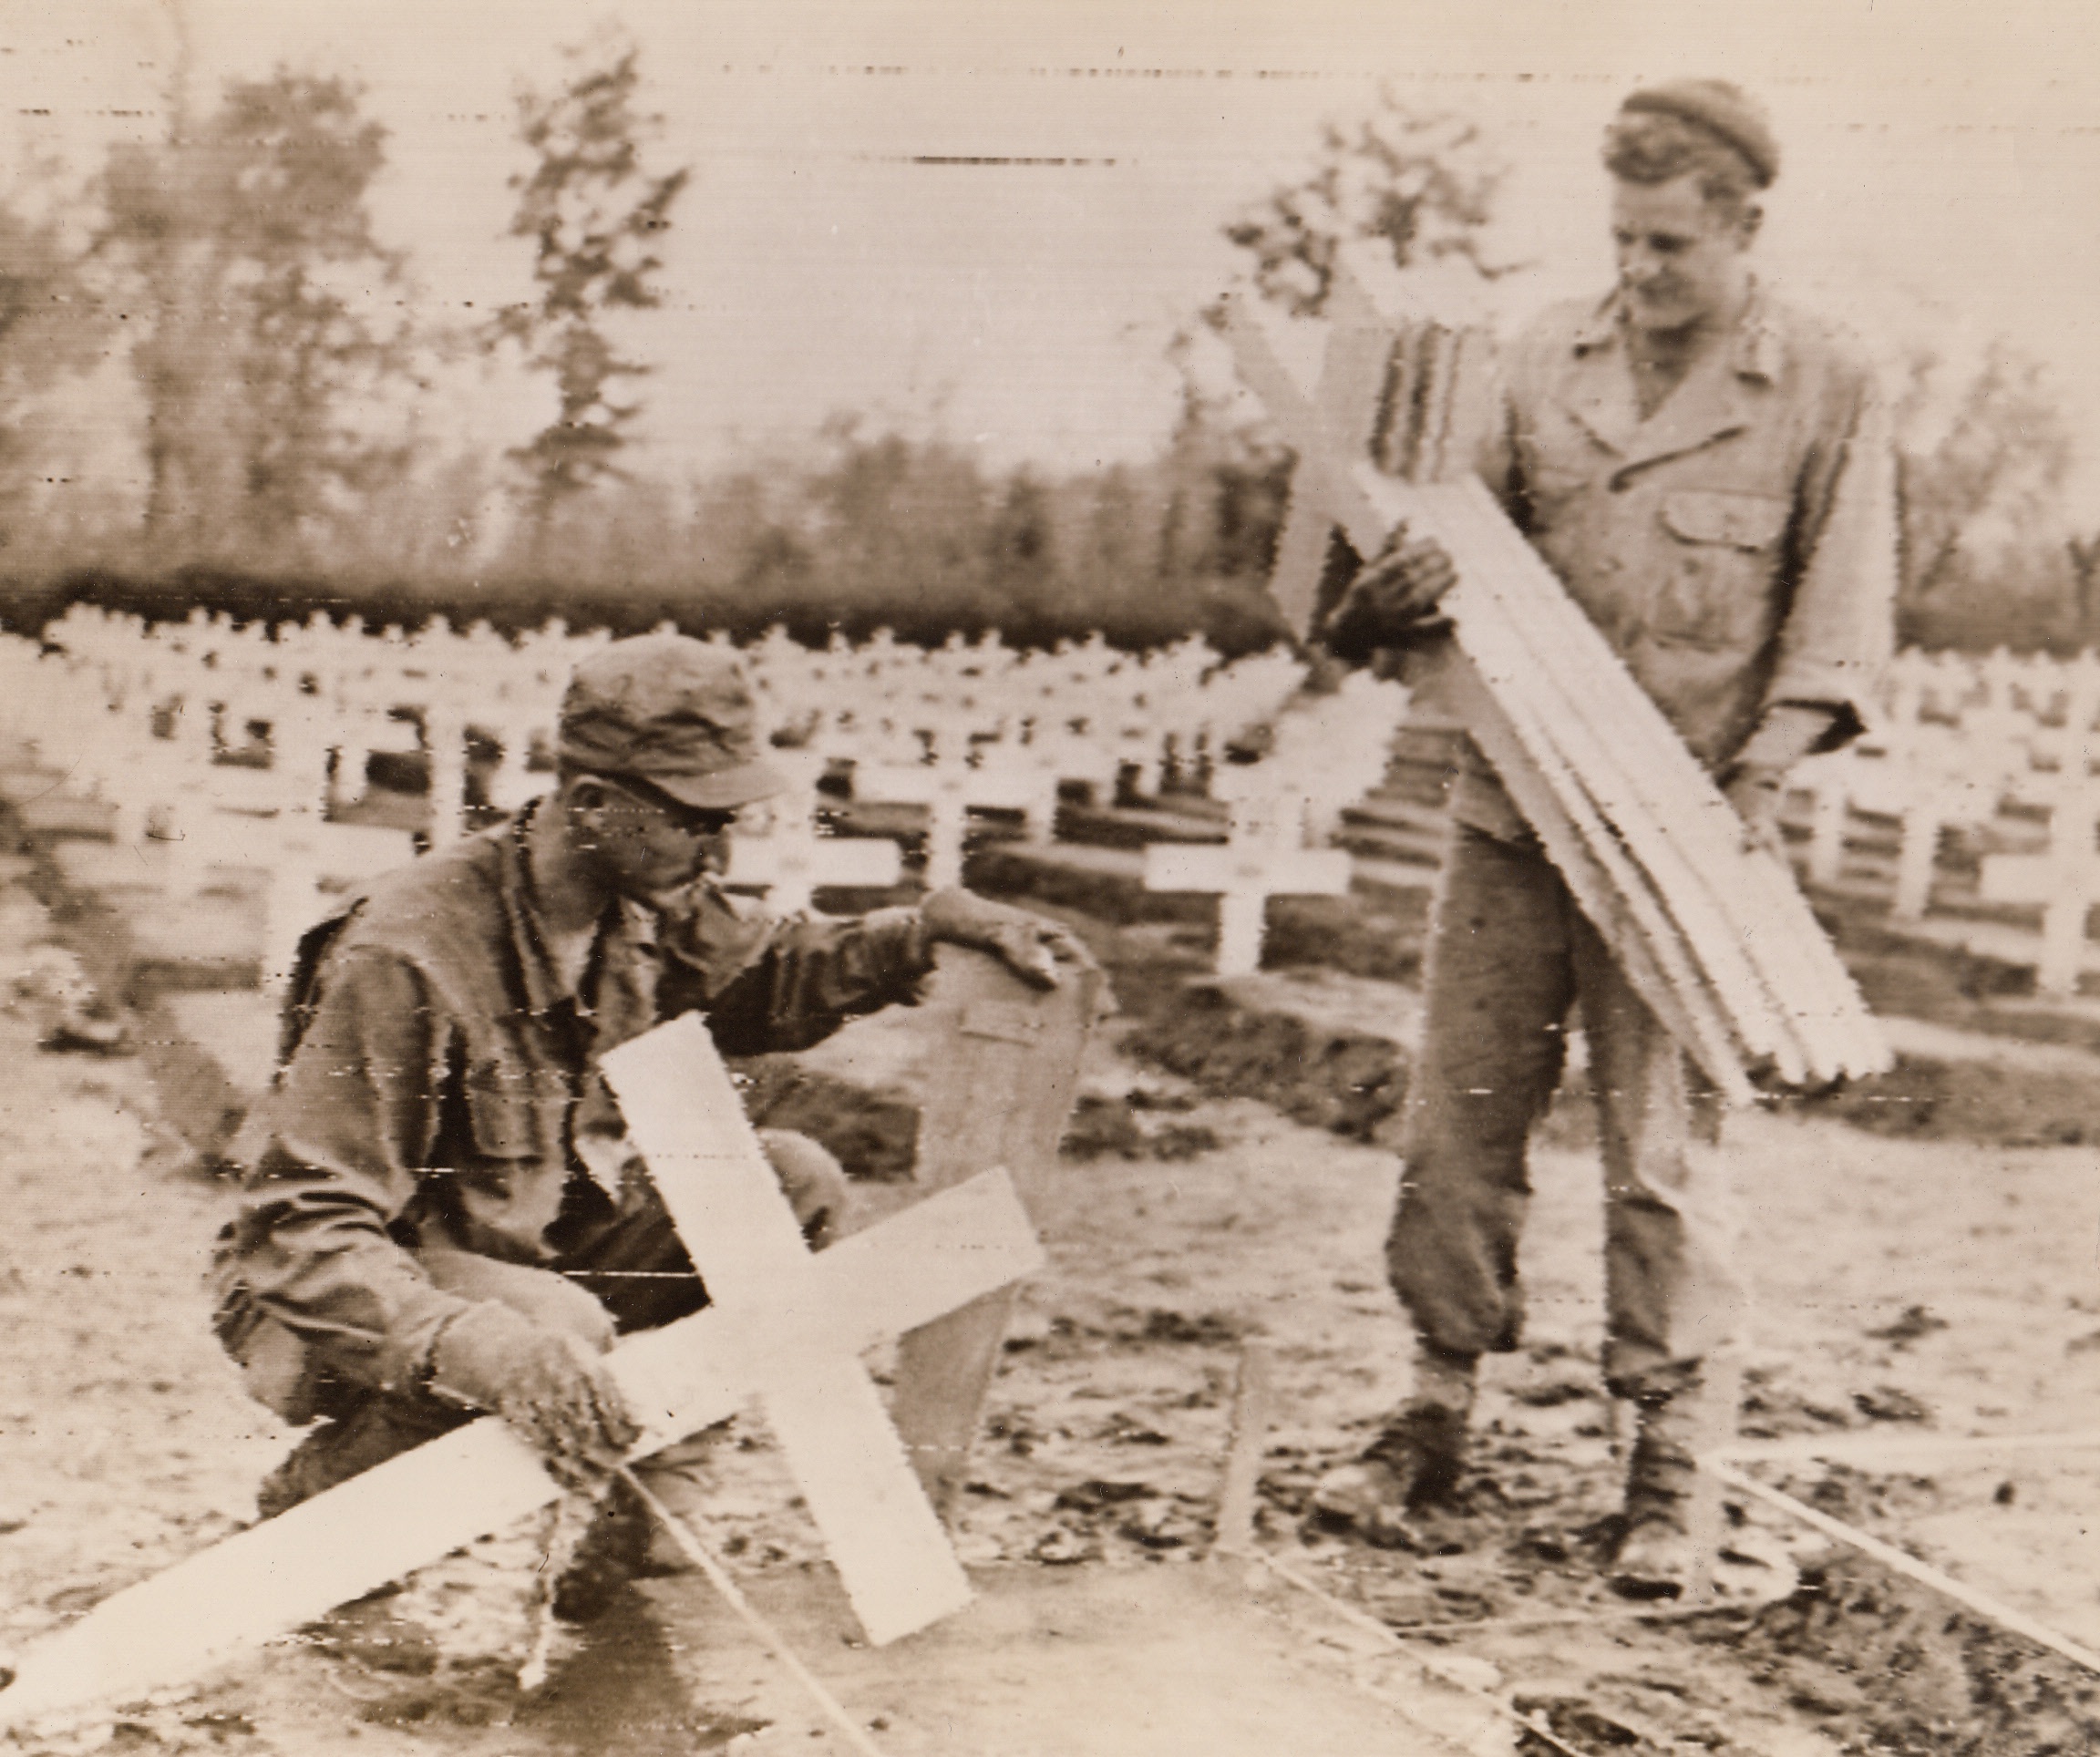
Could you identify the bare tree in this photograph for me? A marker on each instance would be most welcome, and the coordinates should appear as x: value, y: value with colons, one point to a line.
x: 256, y: 258
x: 594, y: 214
x: 1423, y: 183
x: 1983, y: 461
x: 53, y: 326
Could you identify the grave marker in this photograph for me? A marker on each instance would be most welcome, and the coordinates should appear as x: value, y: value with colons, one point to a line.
x: 797, y: 855
x: 1024, y: 1044
x: 1263, y: 856
x: 2065, y: 881
x: 949, y: 787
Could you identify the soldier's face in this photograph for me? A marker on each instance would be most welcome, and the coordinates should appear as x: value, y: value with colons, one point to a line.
x: 648, y: 843
x: 1681, y: 260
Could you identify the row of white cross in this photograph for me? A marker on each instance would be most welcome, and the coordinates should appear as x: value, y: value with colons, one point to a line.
x: 220, y: 742
x: 1958, y: 738
x: 167, y: 723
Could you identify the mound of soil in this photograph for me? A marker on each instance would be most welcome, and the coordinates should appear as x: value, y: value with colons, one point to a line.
x: 1966, y: 1100
x: 1896, y: 1668
x: 1349, y: 1082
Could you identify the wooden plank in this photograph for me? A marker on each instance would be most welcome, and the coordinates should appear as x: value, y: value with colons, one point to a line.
x: 1609, y: 889
x: 1761, y: 915
x: 1610, y: 771
x: 1764, y: 948
x: 883, y: 1536
x: 1358, y: 352
x: 1316, y: 494
x: 1780, y: 939
x: 1577, y: 716
x: 1366, y: 504
x: 1253, y: 1410
x: 1620, y: 725
x: 1605, y: 881
x: 1025, y: 1046
x: 881, y: 1532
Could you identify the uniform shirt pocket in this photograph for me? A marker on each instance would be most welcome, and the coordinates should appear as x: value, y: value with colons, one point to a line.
x: 1716, y: 583
x: 512, y: 1192
x: 503, y: 1111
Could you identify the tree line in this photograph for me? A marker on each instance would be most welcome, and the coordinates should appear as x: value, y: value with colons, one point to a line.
x: 280, y: 359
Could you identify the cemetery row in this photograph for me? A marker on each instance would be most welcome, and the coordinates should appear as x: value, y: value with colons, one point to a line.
x: 1974, y: 797
x: 1971, y: 799
x: 215, y: 744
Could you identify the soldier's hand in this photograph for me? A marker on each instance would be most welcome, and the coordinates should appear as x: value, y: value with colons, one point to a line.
x: 1394, y: 599
x: 546, y: 1384
x: 1757, y: 791
x: 1035, y: 949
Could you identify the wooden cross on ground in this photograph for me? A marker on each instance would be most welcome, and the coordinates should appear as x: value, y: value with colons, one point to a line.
x: 2065, y: 881
x: 796, y: 854
x: 784, y: 1329
x: 1710, y: 933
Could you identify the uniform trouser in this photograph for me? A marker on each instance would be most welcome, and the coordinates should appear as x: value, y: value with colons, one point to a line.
x: 638, y: 1278
x: 1509, y: 954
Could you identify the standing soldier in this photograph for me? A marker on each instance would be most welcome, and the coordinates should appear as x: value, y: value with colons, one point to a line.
x: 1709, y: 473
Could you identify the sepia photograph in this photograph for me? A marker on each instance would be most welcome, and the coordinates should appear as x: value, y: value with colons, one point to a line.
x: 1059, y: 879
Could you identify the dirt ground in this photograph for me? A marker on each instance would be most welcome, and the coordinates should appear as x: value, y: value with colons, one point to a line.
x: 1905, y: 1284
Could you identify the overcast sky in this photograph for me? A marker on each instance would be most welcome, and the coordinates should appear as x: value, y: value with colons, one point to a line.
x: 1942, y: 165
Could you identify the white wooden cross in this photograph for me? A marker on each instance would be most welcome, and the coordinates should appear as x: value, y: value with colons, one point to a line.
x: 2065, y: 881
x: 795, y: 855
x: 1263, y: 856
x: 445, y: 746
x: 2068, y: 748
x: 948, y: 788
x: 785, y: 1328
x: 1952, y: 783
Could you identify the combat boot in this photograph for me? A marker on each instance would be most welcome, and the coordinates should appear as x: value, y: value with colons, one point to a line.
x: 685, y: 1477
x: 612, y: 1552
x: 1659, y: 1553
x: 1415, y: 1462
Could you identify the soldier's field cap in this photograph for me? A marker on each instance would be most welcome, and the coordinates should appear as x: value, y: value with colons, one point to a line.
x: 1719, y: 108
x: 671, y: 711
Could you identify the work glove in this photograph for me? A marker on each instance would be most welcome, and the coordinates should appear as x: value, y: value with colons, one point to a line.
x: 1036, y: 950
x: 547, y: 1385
x: 1394, y: 599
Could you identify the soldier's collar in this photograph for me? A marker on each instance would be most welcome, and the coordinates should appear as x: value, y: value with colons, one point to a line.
x: 1756, y: 350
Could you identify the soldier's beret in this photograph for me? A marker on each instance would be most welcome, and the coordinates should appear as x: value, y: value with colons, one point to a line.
x: 1721, y: 108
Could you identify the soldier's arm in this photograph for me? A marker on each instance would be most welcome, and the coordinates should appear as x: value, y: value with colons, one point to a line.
x: 1840, y: 626
x: 807, y: 975
x: 774, y: 985
x: 332, y: 1157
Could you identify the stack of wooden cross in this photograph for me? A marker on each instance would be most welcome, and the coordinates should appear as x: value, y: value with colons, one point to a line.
x: 1710, y: 932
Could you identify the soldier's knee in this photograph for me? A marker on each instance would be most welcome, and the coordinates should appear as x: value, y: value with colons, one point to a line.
x: 811, y: 1178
